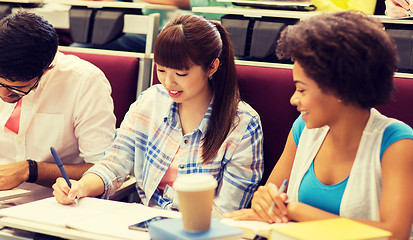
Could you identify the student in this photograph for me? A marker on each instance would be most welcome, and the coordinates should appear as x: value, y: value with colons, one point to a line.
x: 399, y: 8
x: 342, y: 157
x: 193, y: 122
x: 366, y: 6
x: 137, y: 42
x: 64, y: 102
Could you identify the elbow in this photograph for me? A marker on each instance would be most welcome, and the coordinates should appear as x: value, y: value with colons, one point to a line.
x: 399, y: 231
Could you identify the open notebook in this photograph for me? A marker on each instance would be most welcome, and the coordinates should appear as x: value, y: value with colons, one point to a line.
x: 300, y: 5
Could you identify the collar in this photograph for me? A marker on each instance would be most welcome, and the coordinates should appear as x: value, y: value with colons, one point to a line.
x: 173, y: 117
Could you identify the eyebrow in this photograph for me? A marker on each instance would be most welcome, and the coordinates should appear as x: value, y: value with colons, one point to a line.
x: 298, y: 81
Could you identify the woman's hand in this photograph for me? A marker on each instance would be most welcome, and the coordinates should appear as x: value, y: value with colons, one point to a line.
x: 399, y: 8
x: 64, y: 194
x: 268, y: 204
x: 244, y: 214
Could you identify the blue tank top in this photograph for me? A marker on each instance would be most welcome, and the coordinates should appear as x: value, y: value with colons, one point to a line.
x: 328, y: 197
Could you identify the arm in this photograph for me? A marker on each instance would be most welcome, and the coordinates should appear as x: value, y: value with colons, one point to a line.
x: 366, y: 6
x: 243, y: 171
x: 266, y: 195
x: 88, y: 186
x: 182, y: 4
x: 398, y: 8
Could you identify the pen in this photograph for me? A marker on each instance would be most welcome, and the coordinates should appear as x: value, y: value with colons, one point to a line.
x: 280, y: 190
x: 61, y: 168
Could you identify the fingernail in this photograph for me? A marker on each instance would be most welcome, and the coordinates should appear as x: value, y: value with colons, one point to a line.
x: 278, y: 220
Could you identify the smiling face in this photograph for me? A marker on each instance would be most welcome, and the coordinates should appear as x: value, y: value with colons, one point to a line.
x: 316, y: 107
x: 187, y: 85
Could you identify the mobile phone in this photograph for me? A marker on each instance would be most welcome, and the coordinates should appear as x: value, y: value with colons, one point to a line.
x: 143, y: 226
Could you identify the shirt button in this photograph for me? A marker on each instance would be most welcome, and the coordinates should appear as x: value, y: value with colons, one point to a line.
x: 181, y: 166
x: 185, y: 141
x: 19, y: 142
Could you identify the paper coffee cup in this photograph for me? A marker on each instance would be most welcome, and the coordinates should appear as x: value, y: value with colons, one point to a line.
x: 195, y: 195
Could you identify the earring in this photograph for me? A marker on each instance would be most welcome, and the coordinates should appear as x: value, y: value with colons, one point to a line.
x: 210, y: 78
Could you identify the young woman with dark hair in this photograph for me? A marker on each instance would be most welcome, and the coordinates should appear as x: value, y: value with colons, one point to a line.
x: 193, y: 122
x: 342, y: 157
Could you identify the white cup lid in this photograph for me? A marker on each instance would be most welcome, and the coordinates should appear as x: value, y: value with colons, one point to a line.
x: 195, y: 182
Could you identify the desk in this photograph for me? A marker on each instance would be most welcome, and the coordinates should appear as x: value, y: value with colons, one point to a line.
x: 259, y: 13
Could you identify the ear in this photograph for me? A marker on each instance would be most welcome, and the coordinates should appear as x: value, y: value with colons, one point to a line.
x: 214, y: 67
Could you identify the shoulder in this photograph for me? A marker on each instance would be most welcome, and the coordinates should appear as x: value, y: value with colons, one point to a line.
x: 247, y: 114
x: 153, y: 100
x: 396, y: 131
x: 297, y: 129
x: 67, y: 65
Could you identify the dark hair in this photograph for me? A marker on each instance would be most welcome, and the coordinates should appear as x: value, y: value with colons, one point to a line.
x: 28, y: 45
x: 347, y: 53
x: 191, y: 40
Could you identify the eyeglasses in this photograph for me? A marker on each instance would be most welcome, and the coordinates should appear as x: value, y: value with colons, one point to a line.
x: 20, y: 92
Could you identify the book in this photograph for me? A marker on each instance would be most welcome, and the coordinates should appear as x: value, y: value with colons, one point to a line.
x: 251, y: 228
x: 336, y: 228
x: 13, y: 193
x: 99, y: 218
x: 173, y: 229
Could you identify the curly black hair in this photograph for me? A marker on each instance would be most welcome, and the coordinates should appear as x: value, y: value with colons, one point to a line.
x: 347, y: 53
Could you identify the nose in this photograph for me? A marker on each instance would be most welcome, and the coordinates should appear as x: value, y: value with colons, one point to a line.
x: 169, y: 80
x: 294, y: 100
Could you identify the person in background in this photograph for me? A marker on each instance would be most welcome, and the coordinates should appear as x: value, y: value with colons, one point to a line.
x: 193, y: 122
x: 48, y: 99
x: 136, y: 42
x: 366, y: 6
x: 342, y: 157
x: 399, y: 8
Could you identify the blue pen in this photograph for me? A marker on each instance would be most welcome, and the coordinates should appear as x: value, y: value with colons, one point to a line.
x: 61, y: 168
x: 280, y: 190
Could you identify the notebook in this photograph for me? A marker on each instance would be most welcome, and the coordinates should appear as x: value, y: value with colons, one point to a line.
x: 172, y: 229
x: 300, y: 5
x: 335, y: 228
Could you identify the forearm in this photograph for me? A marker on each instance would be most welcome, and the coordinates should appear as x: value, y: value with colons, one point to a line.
x: 182, y: 4
x: 302, y: 212
x: 92, y: 185
x: 48, y: 172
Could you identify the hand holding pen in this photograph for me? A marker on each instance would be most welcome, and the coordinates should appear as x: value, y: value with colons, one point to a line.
x: 62, y: 170
x: 280, y: 190
x: 269, y: 203
x: 399, y: 8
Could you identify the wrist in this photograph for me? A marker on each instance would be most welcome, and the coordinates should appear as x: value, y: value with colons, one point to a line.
x: 33, y: 171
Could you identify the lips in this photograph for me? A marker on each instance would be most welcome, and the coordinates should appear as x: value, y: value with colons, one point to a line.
x: 174, y: 93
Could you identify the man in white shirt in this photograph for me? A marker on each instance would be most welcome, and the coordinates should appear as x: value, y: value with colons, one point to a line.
x: 64, y: 102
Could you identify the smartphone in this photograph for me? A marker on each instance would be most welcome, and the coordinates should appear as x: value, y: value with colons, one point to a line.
x: 143, y: 226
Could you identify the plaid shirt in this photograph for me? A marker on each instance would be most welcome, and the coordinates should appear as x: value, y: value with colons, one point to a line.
x: 150, y: 137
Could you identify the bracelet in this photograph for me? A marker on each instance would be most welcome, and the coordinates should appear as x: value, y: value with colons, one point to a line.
x: 32, y: 171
